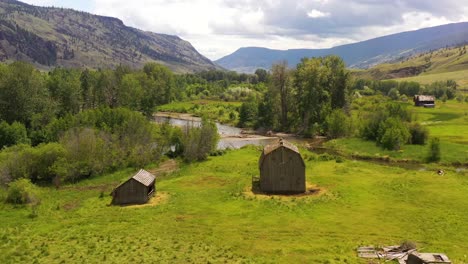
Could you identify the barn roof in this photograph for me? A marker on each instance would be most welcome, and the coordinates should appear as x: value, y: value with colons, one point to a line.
x: 280, y: 143
x: 272, y: 147
x: 144, y: 177
x: 425, y: 98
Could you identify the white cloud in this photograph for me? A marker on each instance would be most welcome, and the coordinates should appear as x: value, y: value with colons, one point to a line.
x: 314, y: 13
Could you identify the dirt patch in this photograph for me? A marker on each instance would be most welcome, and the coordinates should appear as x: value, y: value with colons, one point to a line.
x: 158, y: 199
x: 165, y: 168
x: 311, y: 190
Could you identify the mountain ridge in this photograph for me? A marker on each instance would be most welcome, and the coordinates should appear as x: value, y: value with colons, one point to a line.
x: 50, y: 37
x: 362, y: 54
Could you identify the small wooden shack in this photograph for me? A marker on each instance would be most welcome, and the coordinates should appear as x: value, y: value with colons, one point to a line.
x: 136, y: 190
x: 282, y: 169
x: 424, y: 100
x: 427, y: 258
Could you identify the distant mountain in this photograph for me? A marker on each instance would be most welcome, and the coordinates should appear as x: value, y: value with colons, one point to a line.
x: 363, y: 54
x: 51, y: 37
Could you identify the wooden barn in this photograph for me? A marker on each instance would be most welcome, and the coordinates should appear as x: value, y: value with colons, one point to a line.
x: 282, y: 169
x: 424, y: 100
x: 136, y: 190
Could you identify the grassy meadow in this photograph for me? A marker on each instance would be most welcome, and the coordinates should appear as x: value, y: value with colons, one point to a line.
x: 447, y: 121
x: 208, y: 215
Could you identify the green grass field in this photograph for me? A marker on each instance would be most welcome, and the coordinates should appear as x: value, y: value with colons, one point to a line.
x: 448, y: 121
x: 461, y: 77
x: 208, y: 218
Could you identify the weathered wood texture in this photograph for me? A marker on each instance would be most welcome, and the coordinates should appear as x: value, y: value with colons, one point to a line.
x: 136, y: 190
x: 282, y: 170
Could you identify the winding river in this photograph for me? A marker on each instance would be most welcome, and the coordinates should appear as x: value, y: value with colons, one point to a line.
x: 230, y: 137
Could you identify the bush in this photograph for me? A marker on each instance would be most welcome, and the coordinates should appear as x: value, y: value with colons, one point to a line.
x: 419, y: 134
x: 13, y: 134
x: 434, y: 151
x: 199, y: 142
x: 394, y: 134
x: 21, y: 191
x: 394, y: 94
x: 338, y: 124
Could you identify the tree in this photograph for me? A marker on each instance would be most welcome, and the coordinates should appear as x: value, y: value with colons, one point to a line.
x: 198, y: 142
x: 13, y: 134
x: 22, y: 93
x: 338, y: 124
x: 434, y: 151
x: 337, y: 81
x: 311, y: 97
x: 65, y: 88
x: 248, y: 113
x: 281, y: 83
x: 262, y: 75
x: 158, y: 87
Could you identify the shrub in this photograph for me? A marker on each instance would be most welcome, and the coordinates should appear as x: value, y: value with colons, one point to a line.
x: 338, y: 124
x: 434, y: 151
x: 393, y: 134
x: 21, y: 191
x: 419, y: 134
x: 199, y: 142
x: 13, y: 134
x: 394, y: 94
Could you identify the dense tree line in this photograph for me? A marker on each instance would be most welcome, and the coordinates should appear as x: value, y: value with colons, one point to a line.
x: 70, y: 124
x: 300, y: 99
x: 444, y: 90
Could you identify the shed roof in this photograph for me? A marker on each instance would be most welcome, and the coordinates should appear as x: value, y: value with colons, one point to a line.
x: 144, y: 177
x: 272, y: 147
x: 281, y: 143
x: 425, y: 98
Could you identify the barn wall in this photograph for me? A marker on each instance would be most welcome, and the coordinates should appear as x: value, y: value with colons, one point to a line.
x: 131, y: 192
x: 276, y: 176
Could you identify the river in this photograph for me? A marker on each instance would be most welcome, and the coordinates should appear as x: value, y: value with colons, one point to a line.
x: 230, y: 137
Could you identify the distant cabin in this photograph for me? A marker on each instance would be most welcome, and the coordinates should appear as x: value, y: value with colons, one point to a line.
x: 282, y: 169
x: 427, y: 258
x: 424, y: 100
x: 136, y: 190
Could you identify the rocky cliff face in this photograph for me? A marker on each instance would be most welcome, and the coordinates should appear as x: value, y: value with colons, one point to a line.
x: 51, y: 37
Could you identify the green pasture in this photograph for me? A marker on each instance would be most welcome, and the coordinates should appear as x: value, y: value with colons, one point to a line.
x: 448, y: 121
x: 209, y: 216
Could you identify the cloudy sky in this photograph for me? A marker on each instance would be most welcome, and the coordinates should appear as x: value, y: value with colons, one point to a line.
x: 219, y: 27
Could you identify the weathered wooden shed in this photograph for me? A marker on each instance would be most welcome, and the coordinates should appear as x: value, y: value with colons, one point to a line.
x: 282, y: 169
x: 424, y: 100
x: 136, y: 190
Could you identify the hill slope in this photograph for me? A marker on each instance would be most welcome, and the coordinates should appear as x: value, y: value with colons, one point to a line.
x: 437, y: 65
x: 358, y: 55
x: 64, y: 37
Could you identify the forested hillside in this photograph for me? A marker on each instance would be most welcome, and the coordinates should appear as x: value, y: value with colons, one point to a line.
x: 51, y: 37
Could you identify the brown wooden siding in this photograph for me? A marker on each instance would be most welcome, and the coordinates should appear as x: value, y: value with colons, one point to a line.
x: 282, y: 171
x: 131, y: 192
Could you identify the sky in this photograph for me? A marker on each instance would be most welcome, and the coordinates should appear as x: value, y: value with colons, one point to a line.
x: 217, y: 28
